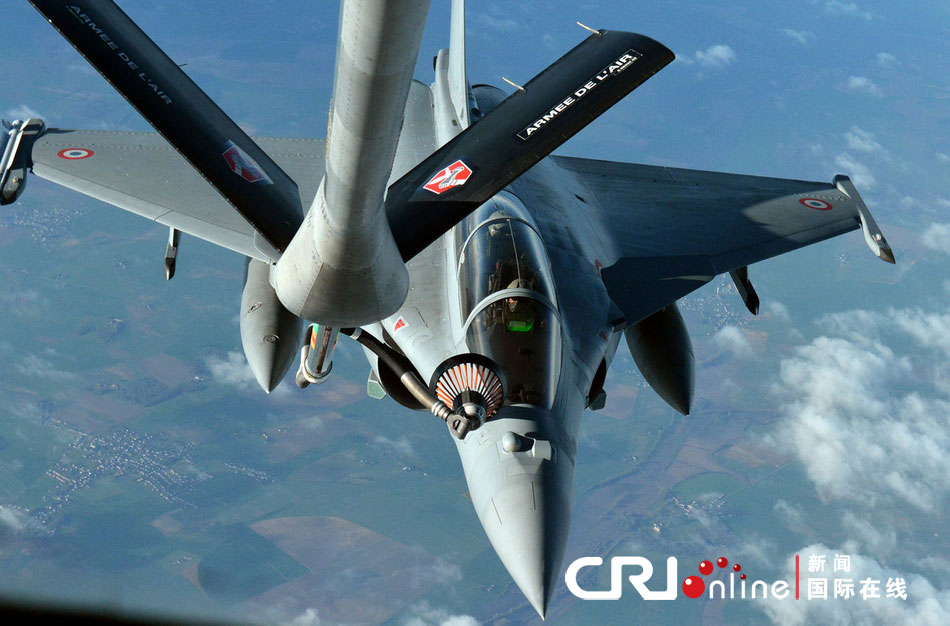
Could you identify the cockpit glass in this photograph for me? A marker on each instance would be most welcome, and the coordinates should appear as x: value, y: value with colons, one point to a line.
x: 502, y: 254
x: 522, y: 336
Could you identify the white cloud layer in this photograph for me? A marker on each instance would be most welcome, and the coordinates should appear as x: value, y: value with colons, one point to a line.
x: 496, y: 24
x: 401, y: 446
x: 925, y: 605
x: 42, y: 369
x: 777, y: 310
x: 937, y: 237
x: 861, y: 140
x: 867, y: 424
x: 715, y: 57
x: 801, y: 36
x: 846, y: 8
x: 732, y: 338
x: 232, y: 370
x: 424, y: 614
x: 886, y: 60
x: 12, y: 520
x: 858, y: 171
x: 865, y: 85
x: 310, y: 617
x: 21, y: 112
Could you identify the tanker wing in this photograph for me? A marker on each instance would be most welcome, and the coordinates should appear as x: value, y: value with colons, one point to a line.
x: 258, y: 189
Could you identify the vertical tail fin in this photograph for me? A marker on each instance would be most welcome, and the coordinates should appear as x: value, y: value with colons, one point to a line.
x: 459, y: 90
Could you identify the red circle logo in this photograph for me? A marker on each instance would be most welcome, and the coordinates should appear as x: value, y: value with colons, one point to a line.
x: 693, y: 587
x: 74, y: 154
x: 815, y: 203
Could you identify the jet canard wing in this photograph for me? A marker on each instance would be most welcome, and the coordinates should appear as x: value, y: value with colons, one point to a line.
x: 144, y: 174
x: 676, y: 229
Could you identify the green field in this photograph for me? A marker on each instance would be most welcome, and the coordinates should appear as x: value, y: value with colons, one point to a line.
x: 244, y: 565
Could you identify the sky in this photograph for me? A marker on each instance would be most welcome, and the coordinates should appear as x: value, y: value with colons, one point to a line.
x: 850, y: 360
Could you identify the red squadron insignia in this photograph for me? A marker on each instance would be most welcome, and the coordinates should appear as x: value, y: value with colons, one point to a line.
x: 74, y: 154
x: 816, y: 203
x: 243, y: 165
x: 454, y: 175
x: 399, y: 325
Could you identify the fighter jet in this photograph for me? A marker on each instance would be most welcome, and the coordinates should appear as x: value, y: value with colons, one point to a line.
x: 487, y: 280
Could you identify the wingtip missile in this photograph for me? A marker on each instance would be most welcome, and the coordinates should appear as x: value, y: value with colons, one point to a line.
x: 16, y: 141
x: 872, y: 232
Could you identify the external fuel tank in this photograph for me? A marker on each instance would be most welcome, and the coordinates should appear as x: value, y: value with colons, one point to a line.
x: 662, y: 350
x: 270, y: 333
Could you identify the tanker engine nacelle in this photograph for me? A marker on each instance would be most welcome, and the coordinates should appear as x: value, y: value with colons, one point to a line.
x: 662, y: 350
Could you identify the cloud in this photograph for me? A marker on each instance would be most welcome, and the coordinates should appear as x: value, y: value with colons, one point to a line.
x: 836, y: 7
x: 310, y: 617
x: 25, y: 410
x: 924, y: 604
x: 41, y: 369
x: 801, y: 36
x: 232, y: 370
x: 21, y: 112
x: 285, y: 612
x: 24, y: 303
x: 423, y: 614
x: 864, y: 84
x: 937, y: 237
x: 875, y: 537
x: 861, y: 140
x: 715, y: 57
x: 790, y: 512
x: 943, y: 158
x: 734, y: 340
x: 12, y: 520
x: 499, y: 24
x: 777, y: 310
x: 401, y: 446
x: 858, y: 171
x: 886, y: 60
x: 852, y: 421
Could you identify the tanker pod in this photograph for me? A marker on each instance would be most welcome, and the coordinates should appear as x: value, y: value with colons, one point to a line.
x: 269, y: 332
x: 342, y: 267
x: 662, y: 350
x: 316, y: 358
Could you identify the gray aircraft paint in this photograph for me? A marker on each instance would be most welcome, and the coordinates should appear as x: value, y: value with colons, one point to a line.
x: 623, y: 241
x: 342, y: 267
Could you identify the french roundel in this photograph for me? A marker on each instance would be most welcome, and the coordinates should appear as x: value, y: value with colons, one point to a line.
x: 75, y: 153
x: 815, y: 203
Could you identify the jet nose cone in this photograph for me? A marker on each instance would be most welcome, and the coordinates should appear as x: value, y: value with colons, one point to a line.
x: 521, y: 482
x: 527, y: 524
